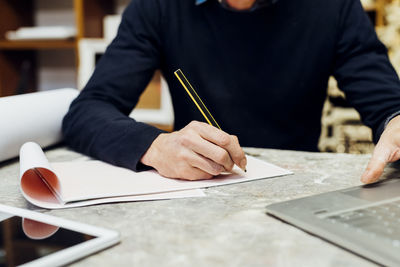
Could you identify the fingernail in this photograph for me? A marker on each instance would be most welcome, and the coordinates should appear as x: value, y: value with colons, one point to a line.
x: 243, y: 164
x: 365, y: 177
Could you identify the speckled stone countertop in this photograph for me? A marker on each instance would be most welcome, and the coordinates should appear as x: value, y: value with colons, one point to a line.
x: 228, y: 227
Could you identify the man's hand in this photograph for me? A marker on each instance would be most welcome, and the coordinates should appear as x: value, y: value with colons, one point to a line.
x: 387, y: 150
x: 198, y: 151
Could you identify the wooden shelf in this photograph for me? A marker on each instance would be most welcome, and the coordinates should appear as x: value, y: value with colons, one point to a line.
x: 37, y: 44
x: 16, y: 55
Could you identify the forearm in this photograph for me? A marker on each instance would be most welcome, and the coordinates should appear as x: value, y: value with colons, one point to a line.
x: 97, y: 123
x: 363, y: 69
x: 98, y: 129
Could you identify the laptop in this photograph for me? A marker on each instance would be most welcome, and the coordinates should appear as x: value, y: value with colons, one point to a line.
x: 363, y: 219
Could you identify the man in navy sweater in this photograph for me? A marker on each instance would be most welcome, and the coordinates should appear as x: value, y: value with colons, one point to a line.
x: 261, y: 66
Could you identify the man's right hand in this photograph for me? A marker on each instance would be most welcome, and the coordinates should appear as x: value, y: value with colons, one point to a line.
x: 198, y: 151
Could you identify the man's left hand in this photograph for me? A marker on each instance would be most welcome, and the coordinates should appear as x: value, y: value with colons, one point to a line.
x: 387, y: 150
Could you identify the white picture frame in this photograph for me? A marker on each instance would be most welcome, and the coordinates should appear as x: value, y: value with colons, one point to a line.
x: 89, y: 49
x: 110, y: 26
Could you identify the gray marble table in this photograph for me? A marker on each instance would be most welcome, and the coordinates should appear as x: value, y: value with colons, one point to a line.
x: 228, y: 227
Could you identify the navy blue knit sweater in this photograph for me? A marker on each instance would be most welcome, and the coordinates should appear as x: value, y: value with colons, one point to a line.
x: 262, y: 74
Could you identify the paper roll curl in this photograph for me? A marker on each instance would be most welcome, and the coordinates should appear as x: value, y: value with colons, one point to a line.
x: 33, y: 117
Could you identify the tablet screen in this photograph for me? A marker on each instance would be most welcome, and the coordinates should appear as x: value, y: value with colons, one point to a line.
x: 23, y: 240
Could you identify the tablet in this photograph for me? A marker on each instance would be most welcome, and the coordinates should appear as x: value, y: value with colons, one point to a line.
x: 30, y: 238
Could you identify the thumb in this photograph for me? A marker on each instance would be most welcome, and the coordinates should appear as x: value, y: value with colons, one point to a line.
x: 376, y: 165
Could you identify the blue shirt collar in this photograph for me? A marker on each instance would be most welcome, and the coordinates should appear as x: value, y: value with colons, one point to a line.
x: 199, y: 2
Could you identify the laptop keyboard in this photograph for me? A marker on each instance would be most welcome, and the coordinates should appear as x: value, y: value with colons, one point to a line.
x: 381, y: 221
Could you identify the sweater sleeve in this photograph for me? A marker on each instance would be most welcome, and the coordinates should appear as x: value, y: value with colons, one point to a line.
x: 363, y: 70
x: 97, y: 123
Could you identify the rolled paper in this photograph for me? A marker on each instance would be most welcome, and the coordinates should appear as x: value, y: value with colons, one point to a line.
x: 33, y: 117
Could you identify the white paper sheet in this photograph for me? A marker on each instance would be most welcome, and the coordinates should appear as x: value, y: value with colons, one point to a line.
x: 95, y: 179
x: 32, y: 117
x: 46, y: 193
x: 92, y: 182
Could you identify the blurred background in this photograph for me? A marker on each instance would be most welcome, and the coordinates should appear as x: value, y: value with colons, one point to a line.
x: 342, y: 130
x: 46, y: 45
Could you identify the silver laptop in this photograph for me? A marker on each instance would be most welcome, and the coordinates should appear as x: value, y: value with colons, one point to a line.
x: 363, y: 219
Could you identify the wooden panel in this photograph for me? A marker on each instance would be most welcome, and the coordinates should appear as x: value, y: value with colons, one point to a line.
x: 14, y: 14
x: 17, y: 68
x: 151, y: 97
x: 17, y: 72
x: 93, y: 12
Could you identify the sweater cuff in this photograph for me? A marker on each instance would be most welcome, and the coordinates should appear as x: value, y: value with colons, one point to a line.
x: 149, y: 135
x: 126, y: 149
x: 383, y: 125
x: 390, y: 118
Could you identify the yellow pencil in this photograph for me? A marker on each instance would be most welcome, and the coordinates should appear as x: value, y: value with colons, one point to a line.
x: 196, y: 99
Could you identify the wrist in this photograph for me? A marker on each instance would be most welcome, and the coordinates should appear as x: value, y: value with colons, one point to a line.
x: 394, y: 116
x: 151, y: 153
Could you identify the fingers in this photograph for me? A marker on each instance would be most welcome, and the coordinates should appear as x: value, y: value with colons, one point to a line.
x: 236, y: 152
x: 188, y: 173
x: 195, y: 174
x: 223, y: 140
x: 376, y: 164
x: 373, y: 171
x: 195, y: 167
x: 187, y: 165
x: 204, y: 164
x: 198, y: 151
x: 387, y: 150
x: 209, y: 151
